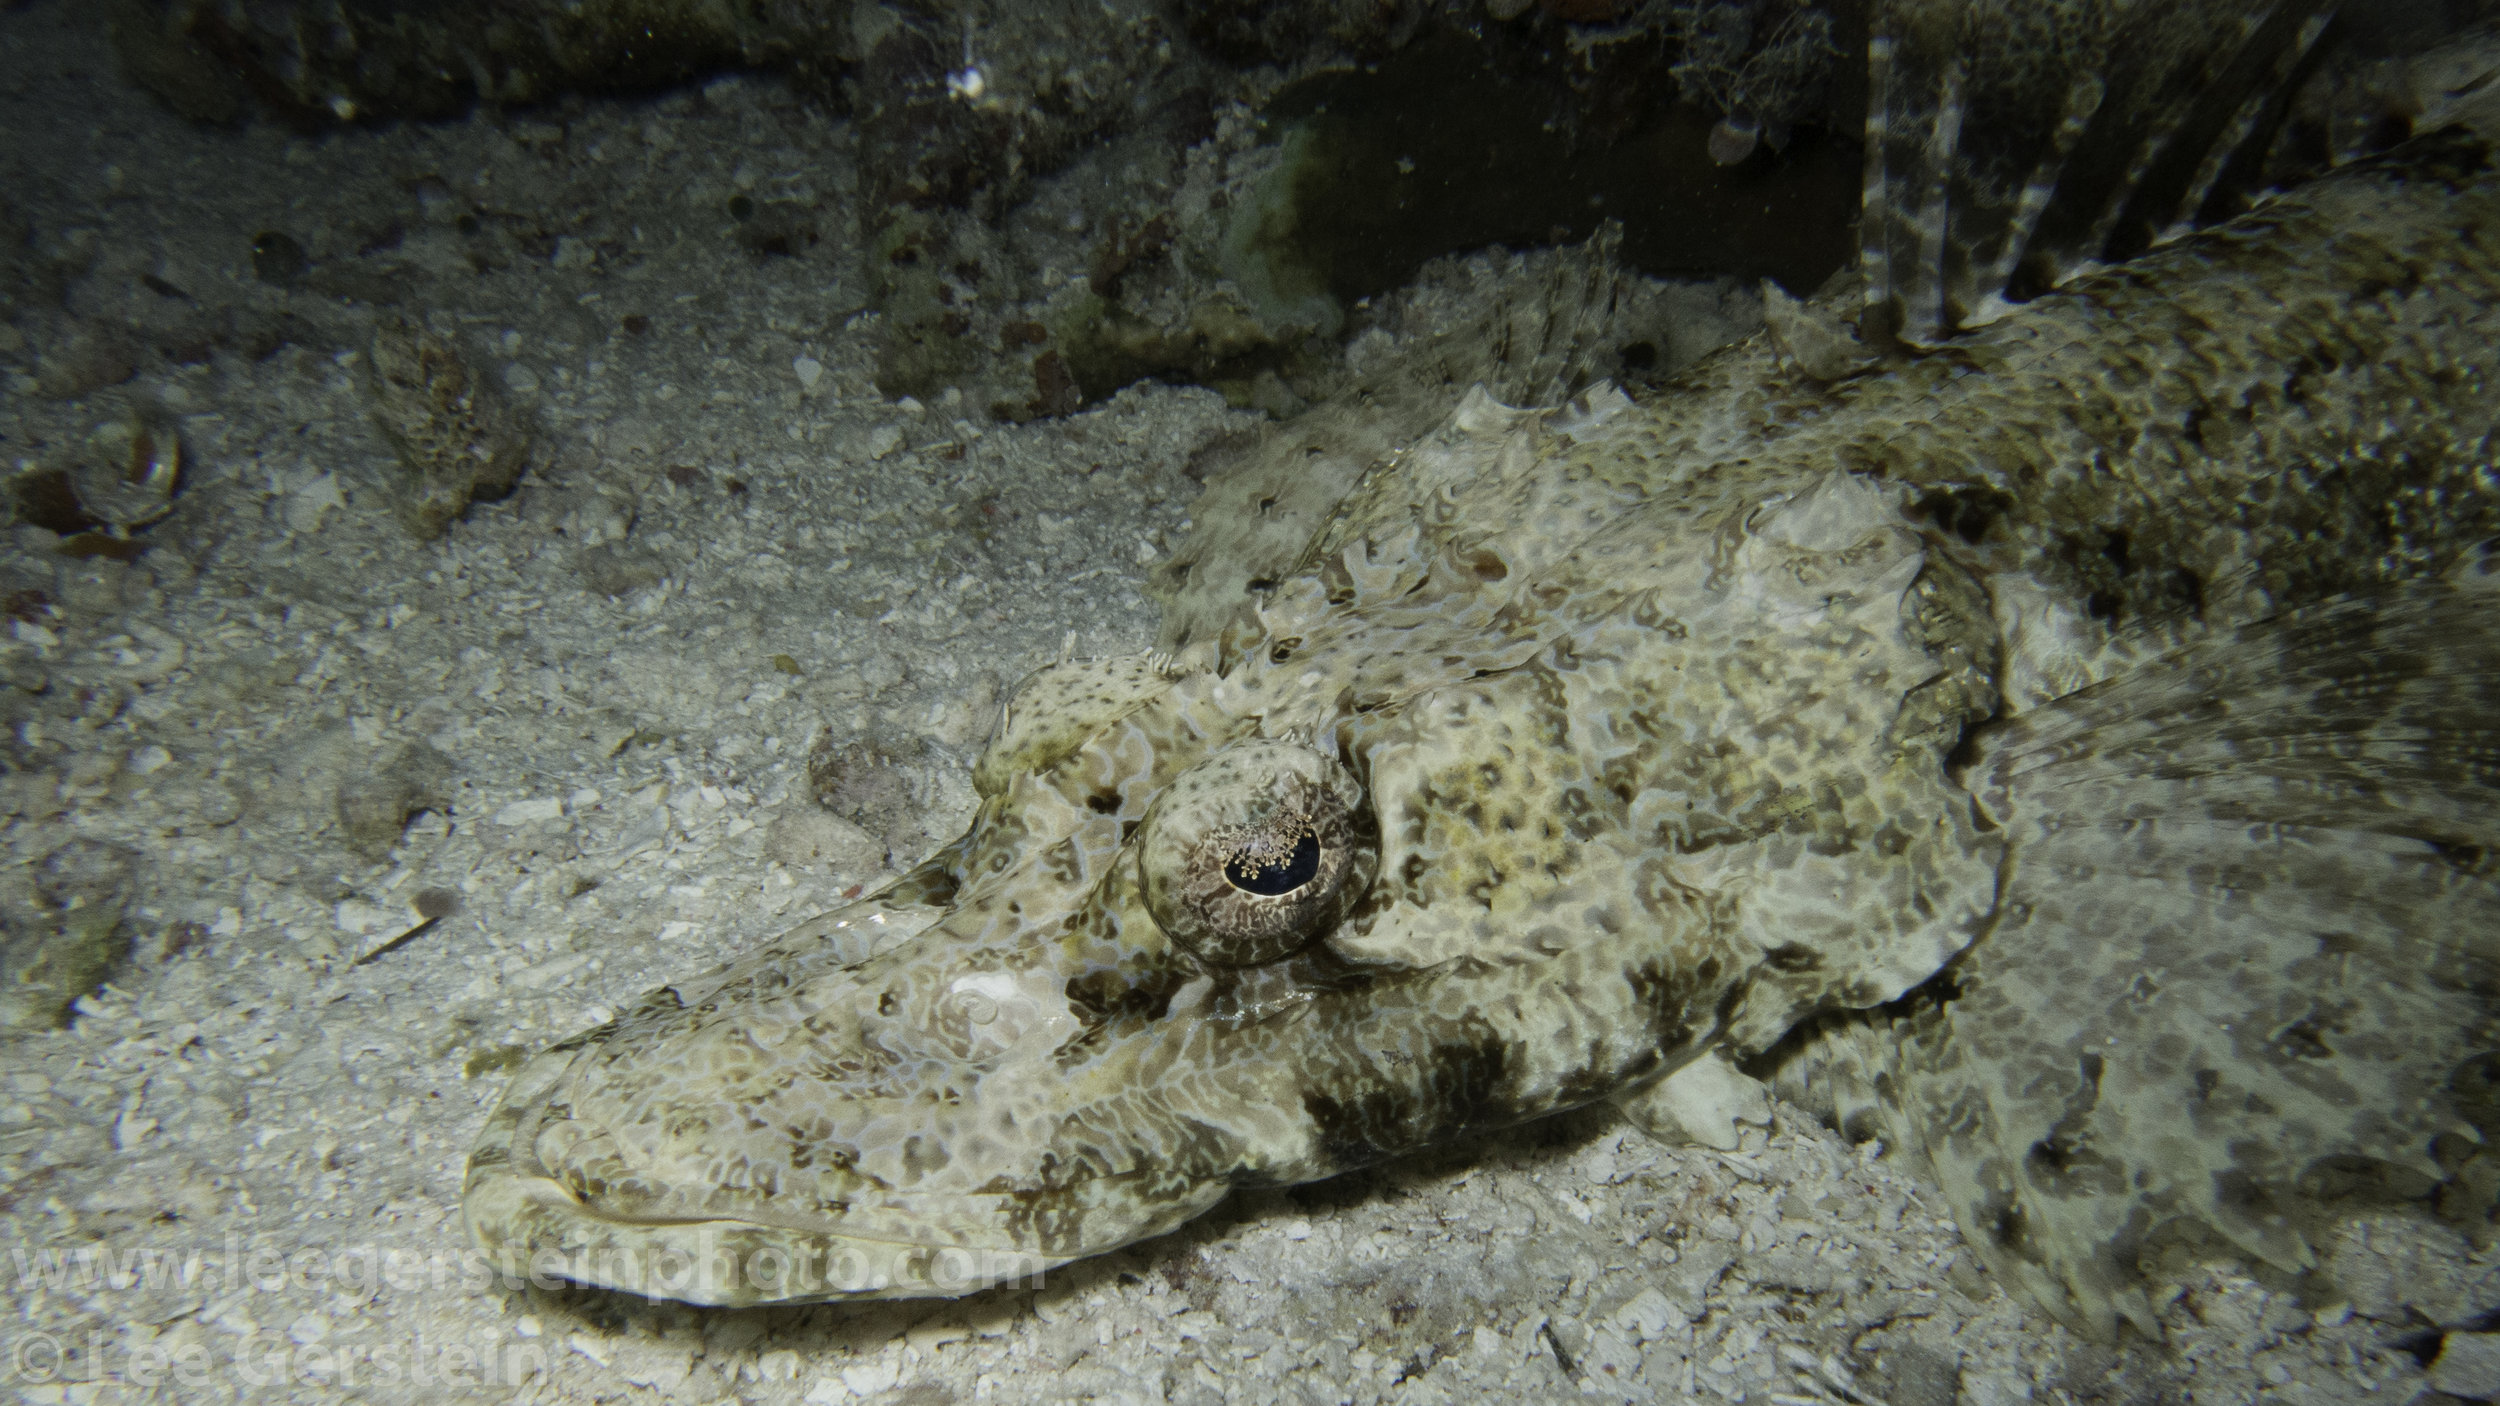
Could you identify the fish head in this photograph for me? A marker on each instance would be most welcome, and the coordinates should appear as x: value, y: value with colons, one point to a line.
x: 1435, y: 847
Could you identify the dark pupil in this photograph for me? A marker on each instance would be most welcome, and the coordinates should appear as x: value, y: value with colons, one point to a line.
x: 1257, y: 869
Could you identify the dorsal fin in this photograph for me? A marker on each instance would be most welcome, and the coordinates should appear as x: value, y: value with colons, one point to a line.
x: 2008, y: 145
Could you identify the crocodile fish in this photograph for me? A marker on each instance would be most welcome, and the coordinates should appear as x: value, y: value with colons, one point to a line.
x: 2039, y: 703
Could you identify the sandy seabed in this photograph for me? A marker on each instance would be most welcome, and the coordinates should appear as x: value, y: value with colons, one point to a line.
x: 235, y: 1173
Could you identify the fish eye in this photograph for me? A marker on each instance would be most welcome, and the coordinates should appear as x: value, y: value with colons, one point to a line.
x: 1255, y: 852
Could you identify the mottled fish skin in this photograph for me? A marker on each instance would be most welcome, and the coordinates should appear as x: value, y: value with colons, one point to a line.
x: 2240, y: 978
x: 1654, y: 713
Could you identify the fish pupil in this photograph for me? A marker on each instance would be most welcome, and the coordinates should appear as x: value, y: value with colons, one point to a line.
x: 1258, y: 868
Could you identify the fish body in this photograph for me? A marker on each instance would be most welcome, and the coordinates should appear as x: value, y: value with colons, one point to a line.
x: 2120, y: 664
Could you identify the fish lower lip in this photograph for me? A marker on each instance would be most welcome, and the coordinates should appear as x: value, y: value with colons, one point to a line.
x: 535, y: 1231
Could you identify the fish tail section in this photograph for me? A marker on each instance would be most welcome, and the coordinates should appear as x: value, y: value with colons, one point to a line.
x: 2244, y: 973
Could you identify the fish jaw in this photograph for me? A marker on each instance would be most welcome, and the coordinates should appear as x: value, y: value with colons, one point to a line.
x: 887, y: 1129
x: 804, y: 1161
x: 534, y: 1227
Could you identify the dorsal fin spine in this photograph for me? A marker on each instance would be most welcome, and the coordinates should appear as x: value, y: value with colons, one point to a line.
x: 2083, y: 98
x: 1930, y: 306
x: 2010, y: 143
x: 2245, y: 124
x: 1875, y: 253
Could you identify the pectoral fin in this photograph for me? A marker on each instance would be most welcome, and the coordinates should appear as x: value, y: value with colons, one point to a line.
x: 2245, y: 969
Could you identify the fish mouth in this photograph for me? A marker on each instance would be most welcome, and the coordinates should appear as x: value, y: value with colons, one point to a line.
x: 538, y: 1231
x: 553, y: 1196
x: 627, y: 1230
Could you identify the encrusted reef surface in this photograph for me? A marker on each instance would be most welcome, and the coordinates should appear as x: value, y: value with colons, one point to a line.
x: 1347, y: 150
x: 1350, y: 143
x: 347, y: 822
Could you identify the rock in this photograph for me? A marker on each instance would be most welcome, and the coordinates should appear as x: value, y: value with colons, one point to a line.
x: 598, y: 517
x: 2468, y: 1365
x: 1916, y: 1375
x: 1800, y: 1273
x: 307, y: 507
x: 806, y: 836
x: 374, y: 807
x: 253, y: 674
x: 882, y: 441
x: 531, y: 812
x: 277, y: 259
x: 1650, y: 1316
x: 458, y: 441
x: 614, y: 569
x: 89, y: 359
x: 203, y: 805
x: 1702, y: 1264
x: 2403, y: 1267
x: 1998, y: 1388
x: 861, y: 784
x: 48, y: 961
